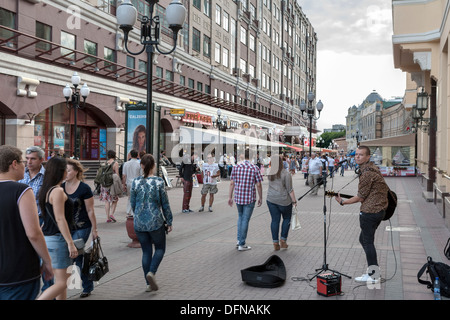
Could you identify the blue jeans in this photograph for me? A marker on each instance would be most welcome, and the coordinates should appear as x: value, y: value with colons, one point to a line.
x: 88, y: 285
x: 244, y: 214
x: 276, y: 212
x: 27, y: 291
x: 150, y: 261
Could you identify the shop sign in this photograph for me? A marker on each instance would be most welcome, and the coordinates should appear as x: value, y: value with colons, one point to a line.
x: 197, y: 117
x: 177, y: 112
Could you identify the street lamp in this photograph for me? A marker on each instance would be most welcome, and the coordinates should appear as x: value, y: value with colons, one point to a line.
x: 358, y: 136
x: 311, y: 114
x: 220, y: 123
x: 150, y: 39
x: 75, y: 103
x: 321, y: 142
x: 418, y: 111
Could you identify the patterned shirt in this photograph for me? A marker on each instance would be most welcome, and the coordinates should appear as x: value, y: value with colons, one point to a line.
x: 34, y: 183
x: 147, y: 198
x: 245, y: 176
x: 372, y: 188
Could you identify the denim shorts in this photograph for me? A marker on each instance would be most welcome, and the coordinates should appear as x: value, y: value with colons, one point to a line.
x: 59, y: 252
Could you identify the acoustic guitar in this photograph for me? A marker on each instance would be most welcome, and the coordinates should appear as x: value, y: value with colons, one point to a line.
x: 392, y: 201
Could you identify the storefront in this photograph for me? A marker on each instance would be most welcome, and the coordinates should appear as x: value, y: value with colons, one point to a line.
x: 394, y: 156
x: 54, y: 130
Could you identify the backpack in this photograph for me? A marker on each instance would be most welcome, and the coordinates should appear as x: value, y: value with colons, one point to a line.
x: 436, y: 269
x: 105, y: 175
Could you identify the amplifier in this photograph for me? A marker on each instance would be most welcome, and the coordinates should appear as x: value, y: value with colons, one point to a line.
x: 328, y: 284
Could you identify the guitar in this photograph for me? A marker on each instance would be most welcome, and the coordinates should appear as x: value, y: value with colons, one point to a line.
x: 392, y: 201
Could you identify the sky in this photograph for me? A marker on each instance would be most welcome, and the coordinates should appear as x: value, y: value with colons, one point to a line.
x: 354, y: 54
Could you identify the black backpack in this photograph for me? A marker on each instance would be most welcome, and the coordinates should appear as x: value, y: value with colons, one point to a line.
x: 436, y: 269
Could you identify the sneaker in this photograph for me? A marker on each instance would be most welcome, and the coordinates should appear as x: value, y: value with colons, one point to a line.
x: 151, y: 281
x: 210, y: 209
x: 368, y: 279
x: 244, y: 248
x: 201, y: 209
x: 148, y: 289
x: 187, y: 210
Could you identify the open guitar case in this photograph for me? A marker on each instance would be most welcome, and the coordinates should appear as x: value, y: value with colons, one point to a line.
x: 270, y: 274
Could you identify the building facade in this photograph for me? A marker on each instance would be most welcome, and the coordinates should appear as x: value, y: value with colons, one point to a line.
x: 253, y: 59
x: 420, y: 46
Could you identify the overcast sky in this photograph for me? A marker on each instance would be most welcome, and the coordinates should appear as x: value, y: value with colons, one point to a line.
x: 354, y: 54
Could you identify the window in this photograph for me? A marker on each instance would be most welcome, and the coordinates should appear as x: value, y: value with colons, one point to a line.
x: 109, y: 55
x: 225, y: 57
x: 43, y: 31
x: 217, y: 52
x: 207, y: 7
x: 130, y: 66
x: 199, y: 86
x: 169, y: 75
x: 142, y: 67
x: 225, y: 22
x: 159, y: 72
x: 252, y: 42
x: 218, y: 15
x: 191, y: 83
x: 243, y: 66
x: 182, y: 80
x: 243, y: 35
x: 206, y: 46
x: 197, y: 4
x: 68, y: 41
x: 7, y: 19
x: 91, y: 48
x: 196, y: 40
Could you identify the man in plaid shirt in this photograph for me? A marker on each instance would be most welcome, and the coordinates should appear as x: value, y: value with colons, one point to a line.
x: 244, y: 177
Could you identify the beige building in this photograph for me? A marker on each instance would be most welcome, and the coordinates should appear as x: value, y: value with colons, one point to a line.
x: 253, y: 59
x: 420, y: 45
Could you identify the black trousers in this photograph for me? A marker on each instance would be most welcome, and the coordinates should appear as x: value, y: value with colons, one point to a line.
x: 369, y: 223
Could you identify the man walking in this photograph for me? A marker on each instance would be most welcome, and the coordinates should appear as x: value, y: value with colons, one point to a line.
x: 245, y: 176
x: 187, y: 170
x: 131, y: 169
x: 372, y: 193
x: 210, y: 173
x: 315, y: 172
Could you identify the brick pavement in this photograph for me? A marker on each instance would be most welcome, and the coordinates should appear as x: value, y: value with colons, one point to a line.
x: 202, y: 263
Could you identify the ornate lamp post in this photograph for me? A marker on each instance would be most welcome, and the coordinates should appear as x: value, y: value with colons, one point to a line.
x: 150, y: 39
x: 311, y: 114
x: 75, y: 103
x: 220, y: 124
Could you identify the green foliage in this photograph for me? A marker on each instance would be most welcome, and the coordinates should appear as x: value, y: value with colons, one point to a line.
x: 328, y: 137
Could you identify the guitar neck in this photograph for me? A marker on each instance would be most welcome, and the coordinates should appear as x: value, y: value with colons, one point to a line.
x: 334, y: 194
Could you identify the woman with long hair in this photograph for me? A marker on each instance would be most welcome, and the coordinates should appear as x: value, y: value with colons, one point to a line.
x: 280, y: 199
x: 84, y: 216
x: 152, y: 214
x: 56, y: 210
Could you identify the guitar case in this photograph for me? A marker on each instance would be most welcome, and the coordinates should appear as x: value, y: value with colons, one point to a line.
x: 271, y: 274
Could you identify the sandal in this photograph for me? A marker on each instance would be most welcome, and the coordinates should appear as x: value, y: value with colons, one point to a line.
x: 112, y: 218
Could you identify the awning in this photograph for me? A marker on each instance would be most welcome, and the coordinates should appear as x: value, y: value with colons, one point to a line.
x: 192, y: 135
x: 397, y: 141
x: 298, y: 149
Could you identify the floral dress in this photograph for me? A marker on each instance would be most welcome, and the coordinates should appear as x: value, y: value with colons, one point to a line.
x: 148, y: 198
x: 105, y: 195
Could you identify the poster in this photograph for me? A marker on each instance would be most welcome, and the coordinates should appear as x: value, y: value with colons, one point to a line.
x: 135, y: 130
x: 58, y: 137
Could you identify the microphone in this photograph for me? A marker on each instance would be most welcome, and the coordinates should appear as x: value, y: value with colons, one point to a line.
x: 341, y: 162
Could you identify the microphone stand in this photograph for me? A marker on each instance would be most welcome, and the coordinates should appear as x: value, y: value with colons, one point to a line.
x: 325, y: 264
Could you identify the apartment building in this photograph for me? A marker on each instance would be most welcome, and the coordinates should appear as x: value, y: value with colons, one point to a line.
x: 255, y: 60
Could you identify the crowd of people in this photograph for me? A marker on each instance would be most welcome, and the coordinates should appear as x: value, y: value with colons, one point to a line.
x: 48, y: 207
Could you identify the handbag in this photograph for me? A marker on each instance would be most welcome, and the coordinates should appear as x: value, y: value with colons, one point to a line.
x: 295, y: 222
x: 97, y: 263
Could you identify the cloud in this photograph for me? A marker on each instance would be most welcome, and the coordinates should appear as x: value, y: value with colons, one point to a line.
x: 355, y: 26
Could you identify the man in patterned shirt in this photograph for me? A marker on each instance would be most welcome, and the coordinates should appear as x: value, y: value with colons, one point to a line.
x: 372, y: 193
x: 244, y: 177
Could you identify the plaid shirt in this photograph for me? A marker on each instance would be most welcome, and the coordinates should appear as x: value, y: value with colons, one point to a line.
x: 245, y: 176
x: 34, y: 183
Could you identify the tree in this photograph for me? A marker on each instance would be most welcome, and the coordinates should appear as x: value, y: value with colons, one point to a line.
x: 328, y: 137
